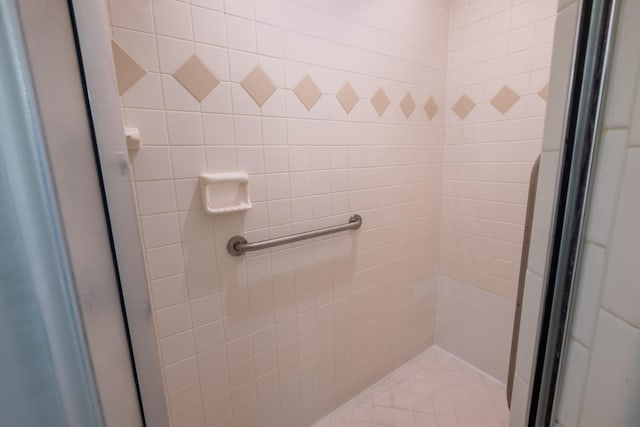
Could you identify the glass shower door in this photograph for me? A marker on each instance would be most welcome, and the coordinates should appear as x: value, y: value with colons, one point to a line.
x: 599, y: 380
x: 46, y: 378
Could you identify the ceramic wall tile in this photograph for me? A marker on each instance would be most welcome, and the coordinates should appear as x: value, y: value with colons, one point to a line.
x: 493, y: 136
x: 612, y: 382
x: 292, y: 95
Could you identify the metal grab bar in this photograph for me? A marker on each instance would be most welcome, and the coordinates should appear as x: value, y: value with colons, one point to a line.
x: 238, y: 245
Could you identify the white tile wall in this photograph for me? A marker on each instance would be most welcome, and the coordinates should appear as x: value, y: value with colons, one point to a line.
x: 239, y: 333
x: 611, y: 391
x: 569, y: 401
x: 621, y: 279
x: 475, y: 325
x: 600, y: 380
x: 487, y: 162
x: 605, y: 322
x: 280, y: 337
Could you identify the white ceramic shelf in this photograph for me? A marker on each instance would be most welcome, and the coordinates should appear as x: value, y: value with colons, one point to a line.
x: 224, y: 192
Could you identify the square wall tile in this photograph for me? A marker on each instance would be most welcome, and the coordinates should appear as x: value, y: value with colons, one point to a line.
x: 173, y: 19
x: 243, y: 8
x: 134, y: 16
x: 608, y: 173
x: 184, y: 399
x: 572, y: 386
x: 151, y: 163
x: 209, y: 27
x: 221, y: 159
x: 150, y: 123
x: 160, y: 230
x: 165, y: 261
x: 209, y: 336
x: 621, y: 290
x: 588, y: 294
x: 172, y: 53
x: 155, y: 197
x: 176, y: 348
x: 624, y: 69
x: 173, y: 320
x: 218, y: 129
x: 188, y: 162
x: 169, y: 291
x: 181, y: 374
x: 241, y: 33
x: 184, y: 128
x: 613, y: 381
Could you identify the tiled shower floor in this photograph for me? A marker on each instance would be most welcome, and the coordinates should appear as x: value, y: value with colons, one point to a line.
x: 432, y: 390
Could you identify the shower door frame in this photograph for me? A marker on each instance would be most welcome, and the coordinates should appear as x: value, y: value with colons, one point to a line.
x: 69, y: 53
x: 591, y: 62
x: 85, y: 176
x: 93, y: 45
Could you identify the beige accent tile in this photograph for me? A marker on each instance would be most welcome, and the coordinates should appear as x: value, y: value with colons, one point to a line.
x: 128, y: 71
x: 258, y: 85
x: 504, y: 99
x: 544, y: 92
x: 347, y: 97
x: 464, y: 106
x: 431, y: 108
x: 407, y: 105
x: 307, y: 92
x: 380, y: 101
x: 196, y: 78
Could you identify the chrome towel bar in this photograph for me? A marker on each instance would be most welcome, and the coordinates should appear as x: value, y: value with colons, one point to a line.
x: 238, y: 245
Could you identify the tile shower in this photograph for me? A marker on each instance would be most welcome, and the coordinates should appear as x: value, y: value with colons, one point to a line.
x: 422, y: 116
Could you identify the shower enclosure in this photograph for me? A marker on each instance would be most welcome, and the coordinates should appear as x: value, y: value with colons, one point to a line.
x: 125, y: 302
x: 429, y: 134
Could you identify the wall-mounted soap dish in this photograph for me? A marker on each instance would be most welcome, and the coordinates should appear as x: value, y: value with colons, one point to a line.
x: 224, y: 192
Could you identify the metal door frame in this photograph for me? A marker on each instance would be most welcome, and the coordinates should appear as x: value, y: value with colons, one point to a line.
x: 591, y: 63
x: 69, y: 53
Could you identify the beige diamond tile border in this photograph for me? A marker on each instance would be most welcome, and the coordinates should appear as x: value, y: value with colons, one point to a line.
x: 504, y: 99
x: 258, y: 85
x: 196, y: 78
x: 128, y: 71
x: 347, y: 97
x: 307, y: 92
x: 407, y: 105
x: 544, y: 92
x: 380, y: 101
x: 199, y: 80
x: 431, y: 108
x: 463, y: 106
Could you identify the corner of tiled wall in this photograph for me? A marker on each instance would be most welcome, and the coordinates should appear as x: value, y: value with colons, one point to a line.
x: 497, y: 86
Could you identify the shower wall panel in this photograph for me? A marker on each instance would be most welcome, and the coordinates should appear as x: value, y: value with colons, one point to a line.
x: 332, y: 108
